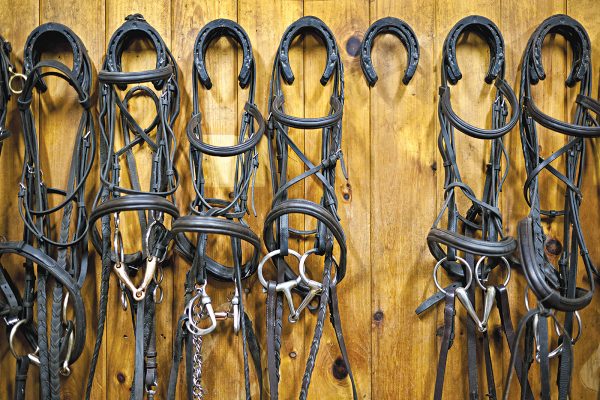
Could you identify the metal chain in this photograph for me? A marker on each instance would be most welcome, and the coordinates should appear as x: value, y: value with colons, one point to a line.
x: 197, y: 389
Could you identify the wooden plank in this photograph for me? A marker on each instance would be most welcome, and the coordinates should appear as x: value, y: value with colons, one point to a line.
x: 586, y: 365
x: 346, y: 20
x: 120, y: 338
x: 221, y: 350
x: 403, y: 205
x: 15, y: 30
x: 265, y: 23
x: 56, y: 113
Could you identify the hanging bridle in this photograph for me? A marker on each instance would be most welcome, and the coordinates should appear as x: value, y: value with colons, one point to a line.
x: 277, y: 231
x: 59, y: 251
x: 479, y: 232
x: 556, y: 290
x: 151, y: 205
x: 214, y: 216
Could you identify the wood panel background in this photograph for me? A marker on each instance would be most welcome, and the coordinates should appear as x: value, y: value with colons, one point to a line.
x: 387, y: 205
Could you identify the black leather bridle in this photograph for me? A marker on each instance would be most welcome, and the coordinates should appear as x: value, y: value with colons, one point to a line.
x: 7, y: 75
x: 151, y: 205
x: 214, y: 216
x: 59, y: 249
x: 277, y: 231
x: 479, y: 232
x: 555, y: 288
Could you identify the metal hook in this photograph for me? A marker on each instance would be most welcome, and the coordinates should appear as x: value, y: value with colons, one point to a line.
x: 205, y: 304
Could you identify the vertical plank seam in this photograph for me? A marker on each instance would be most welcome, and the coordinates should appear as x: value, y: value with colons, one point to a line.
x: 371, y: 184
x: 433, y: 138
x: 104, y: 349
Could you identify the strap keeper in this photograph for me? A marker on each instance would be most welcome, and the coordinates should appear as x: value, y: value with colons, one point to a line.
x: 86, y: 102
x: 24, y: 103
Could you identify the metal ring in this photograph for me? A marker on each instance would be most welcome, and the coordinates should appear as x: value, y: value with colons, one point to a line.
x: 158, y: 299
x: 558, y: 328
x: 270, y: 255
x: 64, y: 307
x: 15, y: 75
x: 118, y: 245
x: 11, y: 339
x: 302, y: 271
x: 463, y: 262
x: 478, y: 265
x: 159, y: 275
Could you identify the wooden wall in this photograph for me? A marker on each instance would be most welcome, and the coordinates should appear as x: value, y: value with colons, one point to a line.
x: 387, y: 205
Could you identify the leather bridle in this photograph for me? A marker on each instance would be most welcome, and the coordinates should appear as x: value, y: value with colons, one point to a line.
x: 479, y: 232
x: 151, y: 205
x: 555, y: 288
x: 8, y: 74
x: 65, y: 259
x: 214, y: 216
x: 277, y: 231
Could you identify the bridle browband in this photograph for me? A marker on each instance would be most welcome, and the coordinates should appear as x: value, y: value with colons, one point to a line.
x: 214, y: 216
x: 150, y: 205
x: 277, y: 231
x: 63, y: 258
x: 483, y: 218
x: 555, y: 289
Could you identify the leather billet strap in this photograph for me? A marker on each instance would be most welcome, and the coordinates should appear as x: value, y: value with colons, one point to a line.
x: 447, y: 340
x: 403, y: 32
x: 49, y: 265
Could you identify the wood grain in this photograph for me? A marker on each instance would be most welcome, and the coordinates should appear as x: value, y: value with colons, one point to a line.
x: 387, y: 205
x: 403, y: 204
x: 346, y: 20
x: 587, y: 352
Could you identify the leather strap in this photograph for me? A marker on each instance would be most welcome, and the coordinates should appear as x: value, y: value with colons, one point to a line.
x: 447, y: 339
